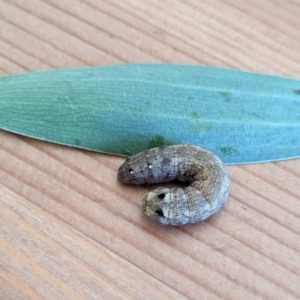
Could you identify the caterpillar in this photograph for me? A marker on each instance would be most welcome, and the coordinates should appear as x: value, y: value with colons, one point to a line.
x: 207, y: 193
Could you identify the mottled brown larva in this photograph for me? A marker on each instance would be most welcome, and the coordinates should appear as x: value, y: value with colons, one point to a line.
x: 206, y: 194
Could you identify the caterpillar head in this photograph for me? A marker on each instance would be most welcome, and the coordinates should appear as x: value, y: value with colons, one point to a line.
x: 130, y: 172
x: 160, y: 205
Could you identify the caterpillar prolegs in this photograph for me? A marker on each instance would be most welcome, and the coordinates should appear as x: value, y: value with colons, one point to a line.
x: 206, y: 194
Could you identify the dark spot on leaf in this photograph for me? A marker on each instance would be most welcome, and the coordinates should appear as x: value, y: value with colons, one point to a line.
x: 161, y: 196
x: 190, y: 98
x: 77, y: 142
x: 226, y: 96
x: 228, y: 151
x: 159, y: 212
x: 199, y: 125
x: 157, y: 141
x: 194, y: 115
x: 297, y: 92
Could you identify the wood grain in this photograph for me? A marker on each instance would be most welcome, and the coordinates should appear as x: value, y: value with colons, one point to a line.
x: 70, y: 230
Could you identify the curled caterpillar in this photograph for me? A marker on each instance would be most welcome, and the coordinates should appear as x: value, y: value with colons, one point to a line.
x: 206, y: 194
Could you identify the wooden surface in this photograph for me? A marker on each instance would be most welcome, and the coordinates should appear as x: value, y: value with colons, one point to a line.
x: 69, y: 230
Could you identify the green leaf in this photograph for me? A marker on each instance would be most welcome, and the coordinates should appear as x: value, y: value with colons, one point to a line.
x: 125, y: 109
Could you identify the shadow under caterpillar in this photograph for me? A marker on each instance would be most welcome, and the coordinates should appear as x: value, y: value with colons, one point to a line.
x: 206, y: 194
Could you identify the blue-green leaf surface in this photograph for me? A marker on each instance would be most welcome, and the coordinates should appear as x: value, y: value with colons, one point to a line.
x: 125, y: 109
